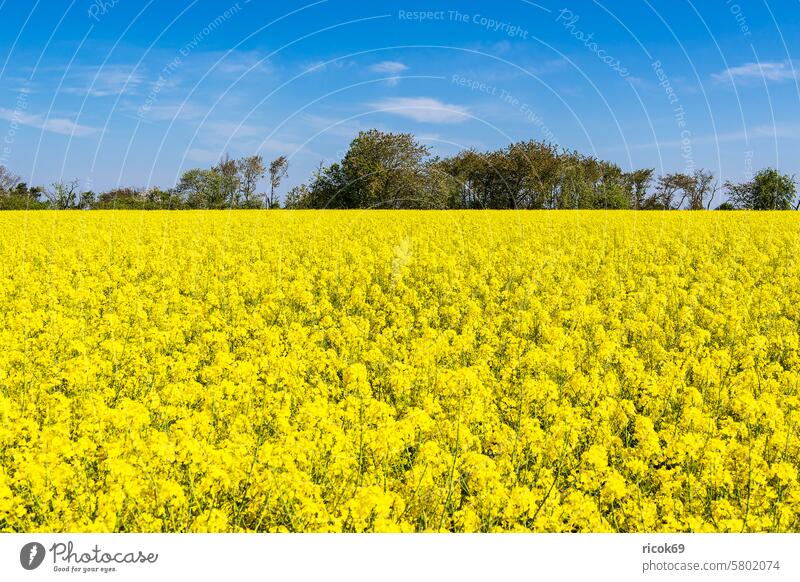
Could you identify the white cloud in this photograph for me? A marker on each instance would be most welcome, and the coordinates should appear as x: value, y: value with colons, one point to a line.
x: 423, y: 109
x: 59, y: 125
x: 775, y: 72
x: 320, y: 66
x: 390, y: 67
x: 105, y: 81
x: 315, y: 67
x: 172, y: 111
x: 240, y: 62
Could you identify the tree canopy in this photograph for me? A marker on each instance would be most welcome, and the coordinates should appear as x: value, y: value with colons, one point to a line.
x: 768, y: 190
x: 395, y: 170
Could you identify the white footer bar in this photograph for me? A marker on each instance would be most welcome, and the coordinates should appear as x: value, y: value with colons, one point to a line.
x: 400, y: 557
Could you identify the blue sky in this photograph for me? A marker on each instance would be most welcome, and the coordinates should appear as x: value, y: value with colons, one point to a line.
x: 118, y: 92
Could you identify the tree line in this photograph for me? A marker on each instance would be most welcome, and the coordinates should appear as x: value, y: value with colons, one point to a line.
x: 229, y: 184
x: 395, y: 170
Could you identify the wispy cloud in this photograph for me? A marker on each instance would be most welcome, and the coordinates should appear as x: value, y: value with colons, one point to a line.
x: 423, y: 109
x: 775, y: 72
x: 550, y: 66
x: 59, y: 125
x: 104, y: 81
x: 390, y: 67
x: 240, y: 62
x: 320, y: 66
x: 315, y: 67
x: 185, y: 111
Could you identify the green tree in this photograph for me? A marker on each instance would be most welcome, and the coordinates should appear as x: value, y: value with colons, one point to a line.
x: 440, y: 190
x: 63, y: 195
x: 202, y: 188
x: 669, y: 187
x: 468, y: 169
x: 383, y: 170
x: 768, y: 190
x: 278, y: 169
x: 227, y: 181
x: 251, y: 170
x: 639, y: 182
x: 697, y: 189
x: 21, y: 197
x: 86, y: 200
x: 328, y: 189
x: 298, y: 197
x: 158, y: 198
x: 121, y: 198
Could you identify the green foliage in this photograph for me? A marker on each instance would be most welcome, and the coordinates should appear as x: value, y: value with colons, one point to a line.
x: 381, y: 170
x: 325, y: 190
x: 768, y: 190
x: 639, y: 182
x: 136, y: 199
x: 680, y: 190
x: 297, y: 197
x: 394, y: 170
x: 278, y: 169
x: 63, y: 195
x: 385, y: 170
x: 229, y: 184
x: 250, y: 169
x: 202, y: 188
x: 774, y: 191
x: 21, y: 197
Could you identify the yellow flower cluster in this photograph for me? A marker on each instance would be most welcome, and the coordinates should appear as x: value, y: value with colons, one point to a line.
x: 399, y: 371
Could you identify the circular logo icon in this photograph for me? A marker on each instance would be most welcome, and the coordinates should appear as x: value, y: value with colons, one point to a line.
x: 32, y: 555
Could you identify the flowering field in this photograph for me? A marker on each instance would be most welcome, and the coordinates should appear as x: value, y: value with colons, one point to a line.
x: 399, y: 371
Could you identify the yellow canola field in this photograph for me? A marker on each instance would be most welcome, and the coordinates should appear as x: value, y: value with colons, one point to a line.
x: 399, y: 371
